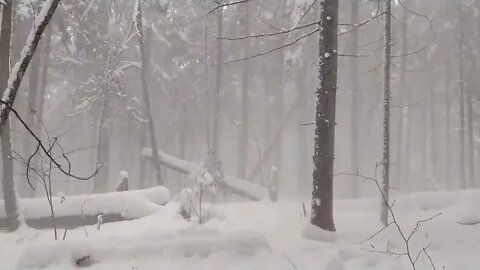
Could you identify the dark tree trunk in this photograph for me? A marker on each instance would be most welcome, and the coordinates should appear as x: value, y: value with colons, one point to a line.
x: 323, y: 158
x: 8, y: 185
x: 404, y: 111
x: 385, y: 185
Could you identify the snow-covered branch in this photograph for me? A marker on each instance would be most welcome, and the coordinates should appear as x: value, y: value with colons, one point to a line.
x: 18, y: 71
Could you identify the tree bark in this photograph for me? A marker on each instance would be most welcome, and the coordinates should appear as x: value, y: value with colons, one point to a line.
x: 386, y: 113
x: 146, y: 92
x: 355, y: 112
x: 404, y: 111
x: 323, y: 158
x: 8, y: 186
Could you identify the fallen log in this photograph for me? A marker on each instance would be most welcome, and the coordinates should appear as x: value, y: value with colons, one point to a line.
x: 79, y: 210
x: 235, y: 185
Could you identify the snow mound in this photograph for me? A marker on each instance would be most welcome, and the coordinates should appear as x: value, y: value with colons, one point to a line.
x: 189, y: 243
x: 313, y: 232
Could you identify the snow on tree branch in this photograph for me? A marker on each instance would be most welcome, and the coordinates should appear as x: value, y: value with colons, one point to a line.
x: 18, y: 71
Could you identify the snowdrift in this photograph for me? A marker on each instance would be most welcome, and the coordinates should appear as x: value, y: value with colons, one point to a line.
x: 183, y: 244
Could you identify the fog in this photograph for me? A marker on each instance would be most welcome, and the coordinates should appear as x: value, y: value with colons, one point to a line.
x: 227, y: 93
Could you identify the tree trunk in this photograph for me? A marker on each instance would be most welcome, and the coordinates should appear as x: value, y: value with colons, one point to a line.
x: 470, y: 132
x: 404, y: 111
x: 461, y: 131
x: 103, y: 145
x: 146, y: 93
x: 243, y: 138
x: 218, y: 84
x: 8, y: 186
x: 385, y: 185
x: 447, y: 128
x: 323, y: 158
x: 355, y: 112
x: 433, y: 137
x: 303, y: 145
x: 45, y: 63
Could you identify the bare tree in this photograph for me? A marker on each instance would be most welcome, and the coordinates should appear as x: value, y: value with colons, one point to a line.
x: 146, y: 92
x: 402, y: 97
x: 218, y: 84
x: 447, y: 127
x: 243, y: 138
x: 386, y: 111
x: 461, y: 86
x: 323, y: 158
x: 355, y: 115
x: 8, y: 186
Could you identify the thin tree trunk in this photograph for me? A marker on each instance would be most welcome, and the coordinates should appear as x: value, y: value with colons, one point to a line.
x: 323, y: 158
x: 146, y: 93
x: 433, y: 137
x: 386, y: 113
x: 142, y: 181
x: 8, y: 186
x: 447, y: 128
x: 470, y: 131
x: 243, y: 138
x: 103, y: 145
x: 45, y: 63
x: 303, y: 160
x: 273, y: 143
x: 461, y: 131
x: 402, y: 89
x: 218, y: 84
x: 355, y: 112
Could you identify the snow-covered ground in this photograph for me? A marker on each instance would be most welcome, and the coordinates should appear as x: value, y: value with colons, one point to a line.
x: 262, y: 235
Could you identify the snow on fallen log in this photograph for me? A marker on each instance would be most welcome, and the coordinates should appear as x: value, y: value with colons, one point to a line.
x: 80, y: 210
x: 235, y: 185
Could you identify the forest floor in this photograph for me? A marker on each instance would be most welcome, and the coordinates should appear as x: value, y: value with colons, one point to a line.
x: 263, y: 236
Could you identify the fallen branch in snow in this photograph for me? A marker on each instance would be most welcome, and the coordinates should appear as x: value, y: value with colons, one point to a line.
x: 235, y: 185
